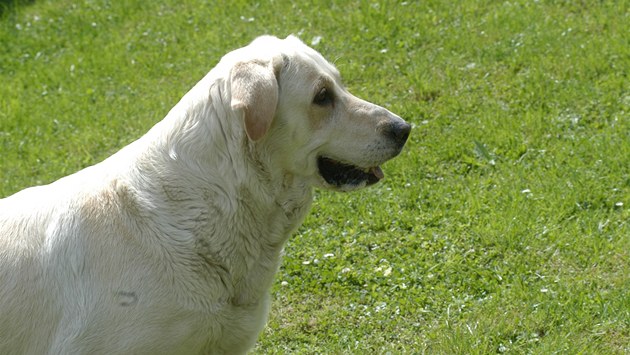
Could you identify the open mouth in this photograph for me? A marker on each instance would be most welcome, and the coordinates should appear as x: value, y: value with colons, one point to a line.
x: 342, y: 175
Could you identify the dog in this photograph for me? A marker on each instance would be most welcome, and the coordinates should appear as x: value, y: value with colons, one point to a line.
x: 170, y: 245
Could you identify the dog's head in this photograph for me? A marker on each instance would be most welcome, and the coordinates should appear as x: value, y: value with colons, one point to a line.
x: 293, y: 104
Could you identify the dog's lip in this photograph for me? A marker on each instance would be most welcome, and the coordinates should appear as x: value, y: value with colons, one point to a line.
x: 339, y: 173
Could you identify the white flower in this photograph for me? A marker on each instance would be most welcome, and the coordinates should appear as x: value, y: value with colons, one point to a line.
x: 315, y: 41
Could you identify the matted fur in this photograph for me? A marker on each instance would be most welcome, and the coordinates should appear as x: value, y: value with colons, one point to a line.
x: 170, y: 245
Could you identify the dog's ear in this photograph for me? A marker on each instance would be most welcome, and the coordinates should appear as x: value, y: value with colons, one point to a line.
x: 254, y: 89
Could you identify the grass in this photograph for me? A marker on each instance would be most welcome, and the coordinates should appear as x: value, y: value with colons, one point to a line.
x: 502, y: 228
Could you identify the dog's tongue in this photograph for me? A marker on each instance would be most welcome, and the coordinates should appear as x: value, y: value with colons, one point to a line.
x: 376, y: 171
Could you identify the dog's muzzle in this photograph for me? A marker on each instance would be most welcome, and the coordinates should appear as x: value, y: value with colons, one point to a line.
x: 346, y: 176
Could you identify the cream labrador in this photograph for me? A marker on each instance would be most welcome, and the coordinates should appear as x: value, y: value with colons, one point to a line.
x: 170, y: 245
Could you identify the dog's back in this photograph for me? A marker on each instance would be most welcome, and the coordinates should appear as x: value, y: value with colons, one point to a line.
x: 27, y: 295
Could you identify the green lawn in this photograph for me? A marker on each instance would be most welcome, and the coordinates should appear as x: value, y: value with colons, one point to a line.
x: 504, y: 226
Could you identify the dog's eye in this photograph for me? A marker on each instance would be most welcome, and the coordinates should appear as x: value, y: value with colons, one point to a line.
x: 323, y: 98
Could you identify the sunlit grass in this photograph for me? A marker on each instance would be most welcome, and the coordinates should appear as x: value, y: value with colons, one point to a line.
x: 503, y: 226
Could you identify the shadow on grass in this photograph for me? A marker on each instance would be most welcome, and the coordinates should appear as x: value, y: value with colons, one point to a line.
x: 7, y: 6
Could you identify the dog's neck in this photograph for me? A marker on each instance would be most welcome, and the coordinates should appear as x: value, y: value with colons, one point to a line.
x: 207, y: 138
x: 208, y: 169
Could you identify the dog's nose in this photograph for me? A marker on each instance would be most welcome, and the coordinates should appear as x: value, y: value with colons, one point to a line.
x: 398, y: 132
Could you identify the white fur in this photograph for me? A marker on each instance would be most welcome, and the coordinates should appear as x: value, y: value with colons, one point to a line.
x: 171, y: 244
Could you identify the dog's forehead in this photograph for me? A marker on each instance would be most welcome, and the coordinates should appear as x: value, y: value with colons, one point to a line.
x: 290, y: 48
x: 312, y: 58
x: 303, y: 51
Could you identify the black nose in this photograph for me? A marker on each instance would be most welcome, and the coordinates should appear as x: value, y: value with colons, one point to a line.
x: 398, y: 132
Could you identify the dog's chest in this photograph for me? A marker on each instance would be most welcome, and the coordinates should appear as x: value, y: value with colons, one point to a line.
x: 241, y: 244
x: 263, y: 233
